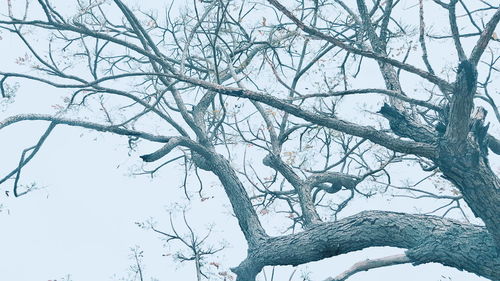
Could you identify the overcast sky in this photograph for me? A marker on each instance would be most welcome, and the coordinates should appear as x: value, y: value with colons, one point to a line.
x: 82, y: 221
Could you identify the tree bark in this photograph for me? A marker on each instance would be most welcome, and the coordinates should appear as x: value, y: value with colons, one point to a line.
x: 426, y: 238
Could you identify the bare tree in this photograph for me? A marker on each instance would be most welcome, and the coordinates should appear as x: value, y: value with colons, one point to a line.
x: 283, y: 83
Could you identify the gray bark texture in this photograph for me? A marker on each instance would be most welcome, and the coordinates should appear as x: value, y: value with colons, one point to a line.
x: 196, y: 69
x: 426, y: 238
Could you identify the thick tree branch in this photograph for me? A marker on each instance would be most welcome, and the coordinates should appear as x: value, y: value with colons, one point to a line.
x: 338, y: 180
x: 242, y: 206
x: 169, y: 146
x: 426, y: 238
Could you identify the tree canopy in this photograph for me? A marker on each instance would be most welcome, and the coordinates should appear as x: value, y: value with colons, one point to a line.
x: 301, y: 108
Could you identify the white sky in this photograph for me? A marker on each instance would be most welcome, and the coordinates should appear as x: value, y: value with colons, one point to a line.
x: 82, y: 222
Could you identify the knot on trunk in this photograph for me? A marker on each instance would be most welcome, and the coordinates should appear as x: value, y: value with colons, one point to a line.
x: 405, y: 126
x: 271, y: 161
x: 200, y: 161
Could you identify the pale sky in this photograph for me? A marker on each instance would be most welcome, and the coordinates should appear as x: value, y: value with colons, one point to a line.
x: 82, y: 222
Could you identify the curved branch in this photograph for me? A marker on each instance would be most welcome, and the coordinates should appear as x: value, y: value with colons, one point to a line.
x: 83, y: 124
x: 371, y: 264
x: 426, y: 238
x: 23, y: 161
